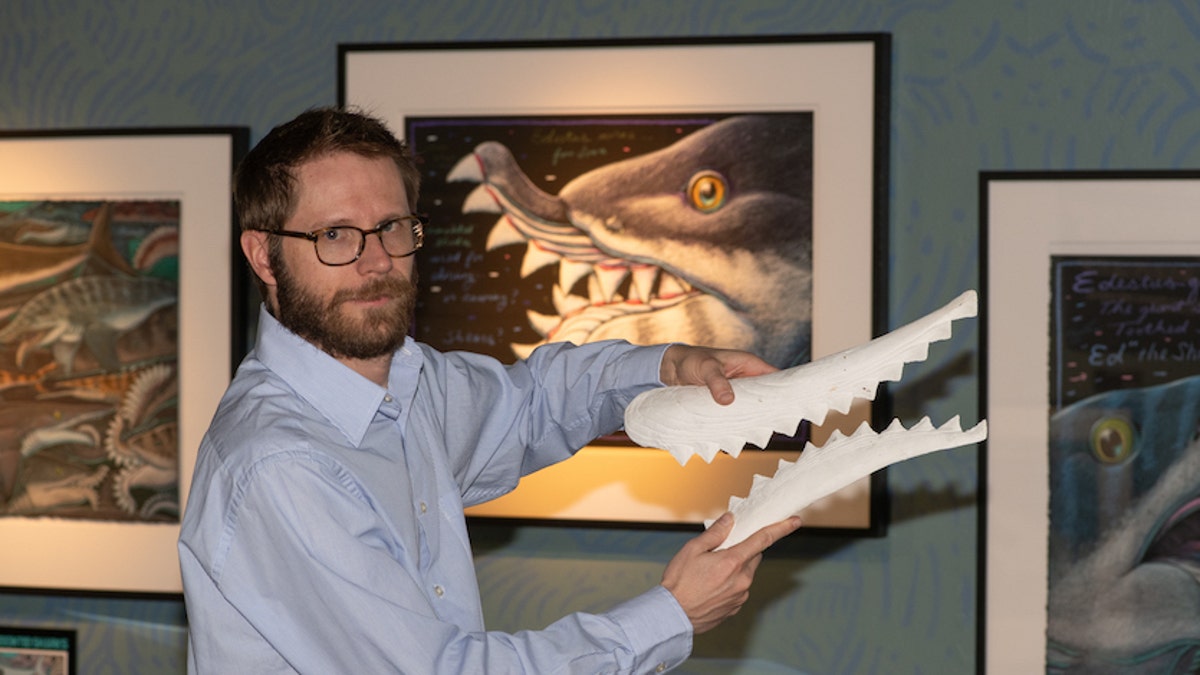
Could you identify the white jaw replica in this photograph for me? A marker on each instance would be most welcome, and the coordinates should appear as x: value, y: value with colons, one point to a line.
x: 686, y: 421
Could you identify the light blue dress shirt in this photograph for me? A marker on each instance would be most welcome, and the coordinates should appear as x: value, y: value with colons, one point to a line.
x: 324, y: 532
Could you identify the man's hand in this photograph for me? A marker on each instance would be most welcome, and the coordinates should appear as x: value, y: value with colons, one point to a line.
x: 712, y: 368
x: 712, y: 586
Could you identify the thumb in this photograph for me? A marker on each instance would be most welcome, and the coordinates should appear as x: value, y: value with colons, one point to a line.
x: 716, y: 533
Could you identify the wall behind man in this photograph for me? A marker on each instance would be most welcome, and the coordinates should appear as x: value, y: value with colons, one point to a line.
x: 1074, y: 84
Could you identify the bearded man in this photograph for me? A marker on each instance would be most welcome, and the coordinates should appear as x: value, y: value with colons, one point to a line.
x: 324, y: 531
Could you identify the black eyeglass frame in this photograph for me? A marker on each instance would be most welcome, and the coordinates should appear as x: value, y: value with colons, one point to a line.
x: 416, y: 221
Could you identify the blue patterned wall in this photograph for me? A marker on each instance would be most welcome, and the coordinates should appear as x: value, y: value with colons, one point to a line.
x: 1072, y: 84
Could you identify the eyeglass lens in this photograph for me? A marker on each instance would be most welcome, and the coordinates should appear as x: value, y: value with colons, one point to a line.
x: 341, y: 245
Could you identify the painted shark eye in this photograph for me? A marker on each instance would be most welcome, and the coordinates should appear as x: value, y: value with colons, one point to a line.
x: 706, y: 191
x: 1113, y: 440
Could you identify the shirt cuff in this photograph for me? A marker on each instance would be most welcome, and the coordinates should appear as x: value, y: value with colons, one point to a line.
x: 657, y: 628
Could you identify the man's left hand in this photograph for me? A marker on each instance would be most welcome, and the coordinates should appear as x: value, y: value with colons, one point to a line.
x: 713, y: 368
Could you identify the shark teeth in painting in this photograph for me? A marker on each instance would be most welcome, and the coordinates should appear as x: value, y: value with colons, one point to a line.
x: 614, y: 287
x: 686, y: 421
x: 821, y: 471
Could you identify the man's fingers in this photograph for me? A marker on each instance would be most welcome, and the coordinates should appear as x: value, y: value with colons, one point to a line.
x: 716, y: 533
x: 764, y: 538
x: 719, y: 387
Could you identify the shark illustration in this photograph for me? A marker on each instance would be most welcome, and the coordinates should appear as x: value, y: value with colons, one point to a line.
x: 707, y: 241
x: 92, y: 310
x: 1124, y: 586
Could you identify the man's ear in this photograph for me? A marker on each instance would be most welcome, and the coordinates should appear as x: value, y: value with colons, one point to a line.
x: 254, y: 247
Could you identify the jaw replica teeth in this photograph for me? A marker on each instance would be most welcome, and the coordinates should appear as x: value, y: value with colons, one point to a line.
x: 821, y: 471
x: 685, y: 420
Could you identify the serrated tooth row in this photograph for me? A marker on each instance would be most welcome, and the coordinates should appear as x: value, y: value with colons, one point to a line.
x: 842, y: 460
x: 608, y: 273
x: 536, y: 258
x: 686, y: 421
x: 571, y: 271
x: 643, y: 277
x: 549, y: 243
x: 482, y: 200
x: 610, y: 278
x: 566, y: 303
x: 542, y: 323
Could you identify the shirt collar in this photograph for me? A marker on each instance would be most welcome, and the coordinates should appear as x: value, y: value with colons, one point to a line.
x: 348, y: 400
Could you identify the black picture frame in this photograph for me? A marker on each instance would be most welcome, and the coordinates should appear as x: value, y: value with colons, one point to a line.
x: 844, y: 80
x: 1031, y: 223
x: 40, y: 650
x: 190, y: 167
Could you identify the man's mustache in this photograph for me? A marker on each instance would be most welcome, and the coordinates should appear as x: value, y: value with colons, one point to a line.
x: 388, y: 286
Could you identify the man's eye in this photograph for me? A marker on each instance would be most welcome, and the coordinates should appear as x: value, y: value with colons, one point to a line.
x: 389, y: 226
x: 333, y: 235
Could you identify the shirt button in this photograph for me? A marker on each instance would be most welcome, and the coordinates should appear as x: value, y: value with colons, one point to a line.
x: 424, y: 508
x: 439, y: 591
x: 387, y: 398
x: 662, y: 668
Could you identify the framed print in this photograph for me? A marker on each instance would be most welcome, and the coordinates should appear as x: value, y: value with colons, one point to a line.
x: 118, y: 333
x: 37, y: 651
x: 579, y: 191
x: 1090, y: 333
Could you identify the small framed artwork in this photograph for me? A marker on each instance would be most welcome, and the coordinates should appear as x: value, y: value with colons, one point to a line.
x: 119, y: 327
x: 1091, y: 387
x: 652, y: 191
x: 37, y: 651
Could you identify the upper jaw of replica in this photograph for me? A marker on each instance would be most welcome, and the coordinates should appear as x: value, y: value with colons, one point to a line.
x: 686, y: 421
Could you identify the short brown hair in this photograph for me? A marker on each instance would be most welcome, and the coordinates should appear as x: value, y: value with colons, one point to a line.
x: 264, y: 185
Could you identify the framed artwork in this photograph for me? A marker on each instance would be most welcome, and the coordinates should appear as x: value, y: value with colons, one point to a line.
x: 119, y: 328
x: 1091, y: 334
x: 37, y: 651
x: 587, y: 190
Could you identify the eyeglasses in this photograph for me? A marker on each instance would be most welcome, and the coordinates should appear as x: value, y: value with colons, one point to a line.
x: 343, y: 244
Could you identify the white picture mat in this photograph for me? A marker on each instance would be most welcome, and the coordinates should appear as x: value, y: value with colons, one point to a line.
x: 834, y: 80
x: 194, y: 169
x: 1028, y: 221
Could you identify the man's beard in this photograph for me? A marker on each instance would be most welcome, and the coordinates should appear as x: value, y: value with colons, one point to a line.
x: 380, y: 331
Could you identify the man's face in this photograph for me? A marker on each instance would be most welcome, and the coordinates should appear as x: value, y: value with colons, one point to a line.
x: 357, y: 311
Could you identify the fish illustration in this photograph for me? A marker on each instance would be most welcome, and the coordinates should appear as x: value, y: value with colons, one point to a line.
x: 73, y: 431
x: 712, y: 236
x: 1124, y: 586
x: 43, y: 496
x: 685, y: 421
x: 99, y: 386
x: 92, y: 310
x: 16, y: 380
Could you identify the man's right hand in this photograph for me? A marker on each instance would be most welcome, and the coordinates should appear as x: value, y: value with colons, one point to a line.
x: 712, y: 586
